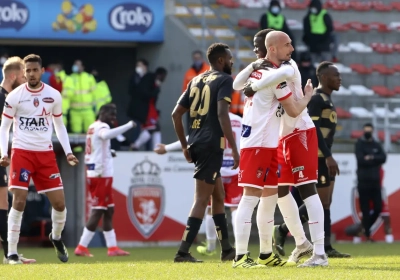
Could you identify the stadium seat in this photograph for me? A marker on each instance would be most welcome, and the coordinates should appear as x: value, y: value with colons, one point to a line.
x: 359, y: 47
x: 379, y: 26
x: 397, y: 112
x: 360, y: 112
x: 381, y: 113
x: 383, y: 91
x: 397, y: 89
x: 382, y: 48
x: 396, y: 68
x: 248, y: 23
x: 360, y: 6
x: 296, y: 5
x: 339, y: 27
x: 396, y: 47
x: 396, y: 5
x: 361, y: 90
x: 343, y: 114
x: 379, y: 6
x: 228, y: 3
x: 360, y: 68
x: 343, y: 91
x: 338, y: 6
x: 382, y: 69
x: 358, y: 26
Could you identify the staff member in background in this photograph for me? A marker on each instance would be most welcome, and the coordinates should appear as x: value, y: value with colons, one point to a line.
x: 83, y: 99
x: 102, y: 92
x: 64, y: 84
x: 370, y: 157
x: 274, y: 19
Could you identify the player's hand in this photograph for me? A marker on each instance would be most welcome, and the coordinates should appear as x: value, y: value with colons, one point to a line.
x: 247, y: 90
x: 113, y: 153
x: 133, y: 123
x: 4, y: 161
x: 187, y: 155
x: 160, y: 149
x: 236, y: 159
x: 262, y: 64
x: 332, y: 166
x: 72, y: 160
x: 308, y: 89
x: 368, y: 157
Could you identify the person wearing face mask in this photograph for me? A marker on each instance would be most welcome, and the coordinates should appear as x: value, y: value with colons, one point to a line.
x: 317, y: 31
x: 142, y: 90
x: 82, y: 99
x: 370, y: 157
x: 307, y: 69
x: 199, y: 66
x: 274, y: 19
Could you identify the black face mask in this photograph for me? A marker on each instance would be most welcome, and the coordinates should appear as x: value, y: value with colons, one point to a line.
x: 368, y: 135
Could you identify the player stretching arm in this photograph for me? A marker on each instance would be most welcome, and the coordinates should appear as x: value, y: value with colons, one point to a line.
x: 34, y: 107
x: 207, y: 98
x: 99, y: 163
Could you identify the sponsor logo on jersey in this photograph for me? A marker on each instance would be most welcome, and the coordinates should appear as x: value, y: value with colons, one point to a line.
x: 48, y: 100
x: 35, y: 102
x: 54, y: 176
x: 128, y: 17
x: 33, y: 124
x: 256, y: 75
x: 246, y: 130
x: 13, y: 14
x: 281, y: 85
x: 146, y: 198
x: 297, y: 169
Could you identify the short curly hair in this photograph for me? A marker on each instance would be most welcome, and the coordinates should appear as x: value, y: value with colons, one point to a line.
x: 216, y: 51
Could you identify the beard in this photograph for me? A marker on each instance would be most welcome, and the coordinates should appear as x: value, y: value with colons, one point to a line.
x: 227, y: 69
x: 33, y: 84
x: 15, y: 84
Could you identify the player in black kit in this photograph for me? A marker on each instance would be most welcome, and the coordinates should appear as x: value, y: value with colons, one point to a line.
x: 207, y: 100
x: 323, y: 113
x: 13, y: 76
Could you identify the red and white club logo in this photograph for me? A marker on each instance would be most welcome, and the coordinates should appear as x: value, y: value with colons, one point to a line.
x: 146, y: 199
x: 35, y: 102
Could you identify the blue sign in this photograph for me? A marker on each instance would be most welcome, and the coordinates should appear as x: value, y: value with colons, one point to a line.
x: 86, y: 20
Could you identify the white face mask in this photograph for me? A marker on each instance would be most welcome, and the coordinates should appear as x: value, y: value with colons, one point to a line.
x: 3, y: 60
x: 275, y: 10
x: 139, y: 70
x: 314, y: 10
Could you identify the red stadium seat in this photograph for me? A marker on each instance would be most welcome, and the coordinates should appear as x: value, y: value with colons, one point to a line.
x: 296, y: 5
x: 355, y: 134
x: 228, y: 3
x: 396, y: 68
x: 343, y: 114
x: 379, y: 6
x: 382, y: 48
x: 396, y: 47
x: 358, y: 26
x: 360, y: 6
x: 379, y: 26
x: 397, y: 91
x: 340, y: 27
x: 382, y: 69
x: 383, y: 91
x: 338, y: 6
x: 360, y: 68
x: 248, y: 23
x: 396, y: 6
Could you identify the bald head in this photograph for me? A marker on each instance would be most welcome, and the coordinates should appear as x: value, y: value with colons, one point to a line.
x: 279, y: 47
x: 273, y: 38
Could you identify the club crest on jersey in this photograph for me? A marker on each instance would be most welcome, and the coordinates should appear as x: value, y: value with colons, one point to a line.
x: 281, y: 85
x: 146, y: 198
x: 356, y: 210
x: 256, y: 75
x: 35, y: 102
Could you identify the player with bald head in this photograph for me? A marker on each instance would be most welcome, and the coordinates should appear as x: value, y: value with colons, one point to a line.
x: 259, y: 142
x: 297, y: 141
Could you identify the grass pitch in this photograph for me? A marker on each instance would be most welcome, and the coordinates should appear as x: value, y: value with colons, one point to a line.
x: 370, y: 261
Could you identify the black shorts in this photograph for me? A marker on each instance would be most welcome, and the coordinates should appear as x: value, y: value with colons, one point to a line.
x: 324, y: 180
x: 3, y: 177
x: 207, y: 164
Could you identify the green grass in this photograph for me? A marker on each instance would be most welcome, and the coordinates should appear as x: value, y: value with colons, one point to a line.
x: 370, y: 261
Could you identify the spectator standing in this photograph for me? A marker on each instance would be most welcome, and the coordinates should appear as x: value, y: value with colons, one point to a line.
x: 370, y: 157
x: 307, y: 69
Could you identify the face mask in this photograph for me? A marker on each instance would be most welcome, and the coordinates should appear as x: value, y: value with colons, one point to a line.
x: 3, y: 60
x: 197, y: 63
x: 314, y: 10
x: 275, y: 10
x: 75, y: 68
x: 367, y: 135
x: 139, y: 70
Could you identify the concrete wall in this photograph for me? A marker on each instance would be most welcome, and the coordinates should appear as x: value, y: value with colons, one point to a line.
x: 175, y: 55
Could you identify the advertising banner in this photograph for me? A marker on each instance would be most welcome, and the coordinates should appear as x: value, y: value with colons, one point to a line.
x: 91, y: 20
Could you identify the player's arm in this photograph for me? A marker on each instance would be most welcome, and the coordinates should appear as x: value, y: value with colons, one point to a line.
x: 274, y: 77
x: 315, y: 111
x: 380, y: 156
x: 224, y: 99
x: 163, y: 149
x: 361, y: 160
x: 9, y: 110
x: 106, y: 133
x: 180, y: 109
x: 293, y: 107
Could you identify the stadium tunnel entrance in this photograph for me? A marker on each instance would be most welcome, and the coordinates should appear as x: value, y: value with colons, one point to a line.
x: 115, y: 62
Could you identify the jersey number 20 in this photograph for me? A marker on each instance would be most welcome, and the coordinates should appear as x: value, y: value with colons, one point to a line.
x: 203, y: 97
